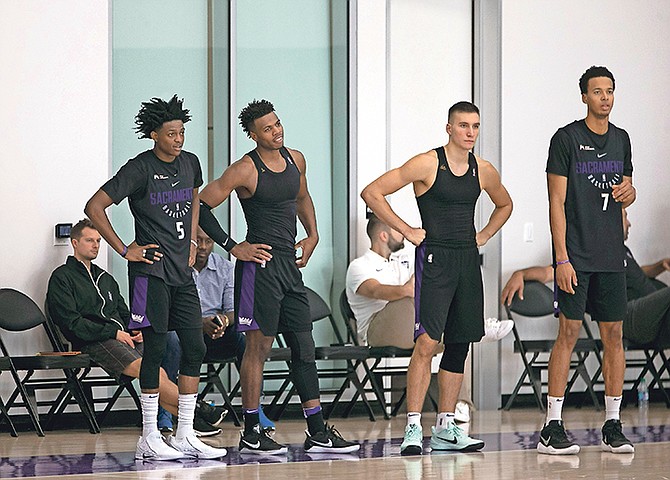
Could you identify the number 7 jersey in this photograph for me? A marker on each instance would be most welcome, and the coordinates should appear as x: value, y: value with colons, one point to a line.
x: 160, y: 196
x: 592, y: 164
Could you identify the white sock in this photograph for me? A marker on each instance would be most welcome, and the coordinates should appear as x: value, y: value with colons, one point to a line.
x: 414, y: 418
x: 612, y: 407
x: 554, y: 408
x: 149, y: 402
x: 186, y: 414
x: 443, y: 420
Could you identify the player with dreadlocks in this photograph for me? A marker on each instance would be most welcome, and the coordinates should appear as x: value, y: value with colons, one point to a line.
x: 161, y: 185
x: 269, y: 294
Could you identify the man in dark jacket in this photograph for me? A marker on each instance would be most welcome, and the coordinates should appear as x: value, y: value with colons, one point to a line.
x: 86, y: 304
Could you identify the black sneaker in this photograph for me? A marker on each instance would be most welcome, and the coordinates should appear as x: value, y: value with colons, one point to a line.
x: 203, y: 428
x: 554, y: 440
x: 258, y: 441
x: 210, y: 413
x: 329, y: 441
x: 614, y: 440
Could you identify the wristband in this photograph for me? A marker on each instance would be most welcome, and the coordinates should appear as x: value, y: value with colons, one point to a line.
x: 563, y: 262
x: 195, y: 244
x: 124, y: 251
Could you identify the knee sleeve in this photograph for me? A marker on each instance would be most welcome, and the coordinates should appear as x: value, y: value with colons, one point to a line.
x: 192, y: 351
x: 154, y: 350
x: 453, y: 358
x: 303, y: 364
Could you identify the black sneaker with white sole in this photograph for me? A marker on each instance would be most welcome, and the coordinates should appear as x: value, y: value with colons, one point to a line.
x: 614, y: 440
x: 329, y: 441
x: 210, y: 413
x: 259, y: 442
x: 204, y: 429
x: 554, y: 440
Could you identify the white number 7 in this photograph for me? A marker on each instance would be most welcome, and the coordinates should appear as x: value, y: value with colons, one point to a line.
x: 180, y: 229
x: 606, y: 198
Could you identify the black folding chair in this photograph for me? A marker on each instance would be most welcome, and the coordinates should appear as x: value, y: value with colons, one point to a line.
x: 18, y: 313
x: 538, y: 303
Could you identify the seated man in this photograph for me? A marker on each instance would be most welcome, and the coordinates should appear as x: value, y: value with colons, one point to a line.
x: 648, y: 310
x: 380, y: 290
x: 214, y: 277
x: 86, y: 304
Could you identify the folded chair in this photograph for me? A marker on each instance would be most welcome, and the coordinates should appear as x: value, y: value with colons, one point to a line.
x: 18, y: 313
x: 538, y: 303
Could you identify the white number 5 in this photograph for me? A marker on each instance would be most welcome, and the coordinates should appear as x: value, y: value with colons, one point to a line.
x: 606, y: 198
x: 180, y: 229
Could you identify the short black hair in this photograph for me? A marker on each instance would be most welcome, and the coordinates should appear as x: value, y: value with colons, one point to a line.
x: 255, y: 109
x: 154, y: 113
x: 594, y: 72
x: 78, y: 228
x: 462, y: 107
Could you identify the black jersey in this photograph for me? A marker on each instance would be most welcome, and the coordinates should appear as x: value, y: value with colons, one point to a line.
x: 160, y: 196
x: 592, y: 163
x: 638, y: 284
x: 271, y: 211
x: 447, y: 208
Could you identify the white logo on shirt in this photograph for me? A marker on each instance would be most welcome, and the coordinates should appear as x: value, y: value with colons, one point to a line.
x: 601, y: 155
x: 160, y: 176
x: 586, y: 147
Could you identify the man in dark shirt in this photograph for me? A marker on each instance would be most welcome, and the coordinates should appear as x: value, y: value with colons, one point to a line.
x: 161, y: 185
x: 270, y: 296
x: 589, y: 178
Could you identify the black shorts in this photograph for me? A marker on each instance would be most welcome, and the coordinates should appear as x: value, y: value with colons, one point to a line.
x: 271, y: 297
x: 113, y: 356
x: 153, y: 303
x: 602, y: 294
x: 448, y: 294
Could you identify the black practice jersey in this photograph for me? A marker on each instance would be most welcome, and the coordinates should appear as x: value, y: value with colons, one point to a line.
x: 447, y: 208
x: 271, y: 211
x: 593, y: 164
x: 160, y: 196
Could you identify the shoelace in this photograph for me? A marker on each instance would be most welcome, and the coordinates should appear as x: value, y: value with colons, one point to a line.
x: 331, y: 430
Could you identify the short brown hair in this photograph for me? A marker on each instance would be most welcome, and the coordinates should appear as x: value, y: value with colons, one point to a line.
x: 79, y: 227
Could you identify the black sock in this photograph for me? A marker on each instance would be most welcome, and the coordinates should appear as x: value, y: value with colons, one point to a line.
x: 250, y: 420
x: 315, y: 423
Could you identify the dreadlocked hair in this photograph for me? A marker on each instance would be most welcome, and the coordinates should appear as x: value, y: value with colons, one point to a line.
x: 156, y: 112
x: 255, y: 109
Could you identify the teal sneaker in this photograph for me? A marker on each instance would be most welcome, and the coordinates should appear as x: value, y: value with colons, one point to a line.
x: 454, y: 438
x: 413, y: 440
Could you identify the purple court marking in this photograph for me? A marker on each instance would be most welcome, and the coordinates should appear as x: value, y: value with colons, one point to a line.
x: 21, y: 467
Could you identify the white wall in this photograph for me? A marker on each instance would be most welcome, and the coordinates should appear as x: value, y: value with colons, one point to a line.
x: 546, y: 46
x: 55, y: 124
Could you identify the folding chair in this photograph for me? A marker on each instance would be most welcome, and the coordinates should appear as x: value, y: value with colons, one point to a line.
x: 378, y: 355
x: 18, y: 313
x: 4, y: 414
x: 538, y: 303
x: 94, y: 376
x: 211, y: 377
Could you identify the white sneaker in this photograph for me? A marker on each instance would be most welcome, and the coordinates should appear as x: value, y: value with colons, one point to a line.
x: 462, y: 413
x: 192, y: 446
x: 154, y: 447
x: 495, y: 329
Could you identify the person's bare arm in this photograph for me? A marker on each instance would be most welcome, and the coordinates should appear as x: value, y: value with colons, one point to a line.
x: 306, y: 214
x: 655, y: 269
x: 96, y: 210
x: 491, y: 184
x: 240, y: 176
x: 195, y: 212
x: 419, y: 169
x: 566, y: 277
x: 372, y: 288
x: 624, y: 192
x: 514, y: 285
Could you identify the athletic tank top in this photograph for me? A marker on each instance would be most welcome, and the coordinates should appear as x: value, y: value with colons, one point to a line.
x: 271, y: 211
x: 448, y: 207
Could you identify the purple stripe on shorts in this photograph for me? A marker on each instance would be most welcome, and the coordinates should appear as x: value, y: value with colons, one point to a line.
x: 245, y: 315
x: 419, y: 258
x: 138, y: 309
